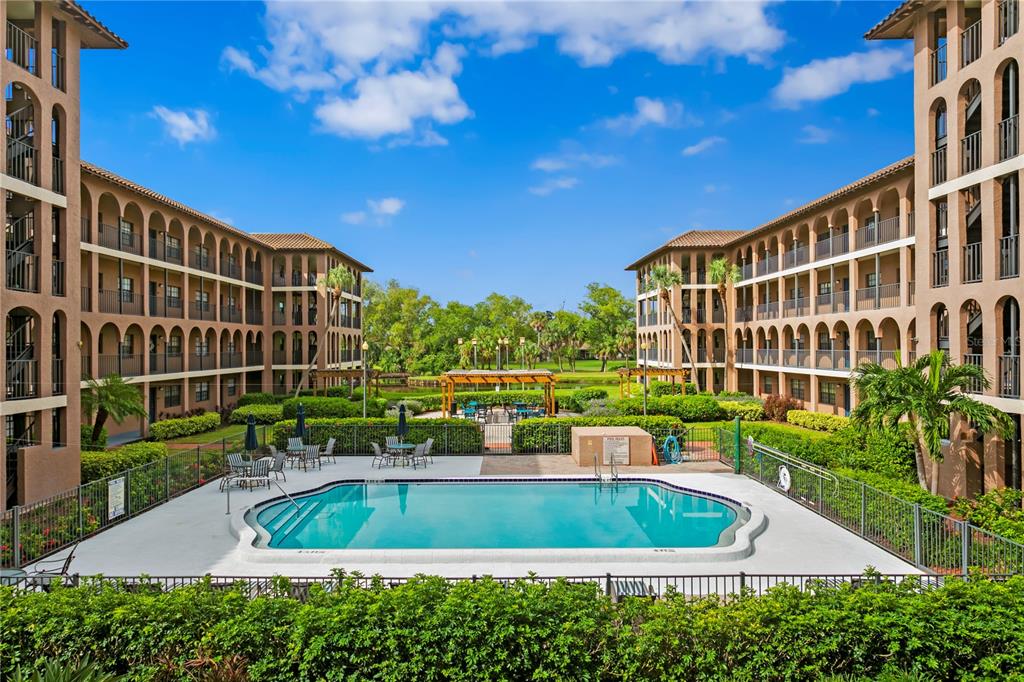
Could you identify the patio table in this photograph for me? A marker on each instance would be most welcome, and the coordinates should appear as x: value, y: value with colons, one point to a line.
x: 294, y: 454
x: 403, y: 450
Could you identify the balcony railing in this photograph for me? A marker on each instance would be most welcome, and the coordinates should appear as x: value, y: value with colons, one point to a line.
x: 200, y: 260
x: 230, y: 359
x: 22, y: 271
x: 165, y: 306
x: 59, y: 384
x: 1009, y: 376
x: 230, y: 268
x: 22, y: 379
x: 746, y: 271
x: 972, y: 263
x: 970, y: 43
x: 702, y: 315
x: 253, y: 276
x: 297, y: 355
x: 253, y: 358
x: 796, y: 357
x: 113, y: 237
x: 911, y: 229
x: 297, y: 317
x: 745, y: 356
x: 882, y: 232
x: 767, y: 266
x: 1009, y: 137
x: 768, y: 311
x: 199, y: 310
x: 279, y: 357
x: 911, y: 292
x: 21, y: 160
x: 1009, y: 19
x: 86, y: 366
x: 745, y: 314
x: 120, y: 302
x: 22, y: 48
x: 86, y: 300
x: 766, y: 356
x: 127, y: 365
x: 1009, y: 256
x: 58, y: 271
x: 717, y: 315
x: 57, y: 70
x: 796, y: 307
x: 254, y: 315
x: 832, y: 359
x: 940, y: 268
x: 687, y: 315
x: 278, y: 279
x: 278, y: 317
x: 836, y: 245
x: 168, y: 362
x: 970, y: 153
x: 939, y: 166
x: 202, y: 362
x: 168, y: 253
x: 885, y: 358
x: 230, y: 313
x: 976, y: 359
x: 58, y: 175
x: 796, y: 257
x: 835, y: 302
x: 937, y: 65
x: 877, y: 297
x: 349, y: 321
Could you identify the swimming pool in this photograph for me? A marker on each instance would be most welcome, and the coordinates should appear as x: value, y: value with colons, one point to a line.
x: 494, y: 514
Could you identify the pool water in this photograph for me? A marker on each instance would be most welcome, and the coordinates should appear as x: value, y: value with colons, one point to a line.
x: 476, y: 515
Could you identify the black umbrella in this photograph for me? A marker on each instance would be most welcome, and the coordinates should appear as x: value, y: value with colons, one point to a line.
x: 403, y: 426
x: 300, y: 422
x: 250, y: 434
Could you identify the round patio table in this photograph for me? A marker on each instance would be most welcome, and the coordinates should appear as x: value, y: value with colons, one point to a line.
x: 403, y: 449
x: 11, y: 576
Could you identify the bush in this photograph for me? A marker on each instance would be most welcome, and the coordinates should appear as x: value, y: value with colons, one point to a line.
x: 747, y: 411
x: 257, y: 399
x: 553, y: 434
x: 262, y: 413
x: 490, y: 398
x: 340, y: 408
x: 578, y: 400
x: 904, y: 490
x: 487, y: 629
x: 776, y: 407
x: 691, y: 408
x: 353, y: 436
x: 86, y: 438
x: 817, y: 421
x: 998, y: 511
x: 184, y: 426
x: 101, y: 464
x: 663, y: 388
x: 600, y: 408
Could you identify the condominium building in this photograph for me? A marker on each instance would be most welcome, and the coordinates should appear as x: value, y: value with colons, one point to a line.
x: 104, y: 276
x: 922, y: 254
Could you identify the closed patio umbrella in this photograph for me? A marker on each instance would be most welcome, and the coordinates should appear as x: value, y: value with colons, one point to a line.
x: 300, y: 422
x: 403, y: 426
x: 251, y: 443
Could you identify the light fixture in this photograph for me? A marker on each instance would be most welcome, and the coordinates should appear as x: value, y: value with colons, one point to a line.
x: 366, y: 346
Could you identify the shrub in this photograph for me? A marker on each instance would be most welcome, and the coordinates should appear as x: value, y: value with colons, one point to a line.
x: 262, y: 413
x: 553, y: 434
x: 776, y: 407
x: 735, y: 394
x: 662, y: 388
x: 340, y: 408
x: 998, y: 511
x: 691, y: 408
x: 101, y: 464
x: 600, y: 408
x: 257, y: 399
x: 904, y: 490
x: 86, y: 438
x: 491, y: 398
x: 578, y: 400
x: 353, y: 436
x: 817, y: 421
x: 184, y: 426
x: 747, y: 411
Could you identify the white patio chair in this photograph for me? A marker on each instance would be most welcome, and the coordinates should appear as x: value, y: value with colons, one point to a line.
x: 311, y: 457
x: 277, y: 468
x: 418, y: 455
x: 329, y: 450
x: 258, y: 475
x: 390, y: 442
x: 294, y: 443
x: 381, y: 458
x: 427, y: 450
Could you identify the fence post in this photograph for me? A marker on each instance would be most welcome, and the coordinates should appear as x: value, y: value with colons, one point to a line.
x: 743, y: 580
x: 167, y: 477
x: 737, y: 446
x: 863, y: 508
x: 608, y: 584
x: 16, y: 531
x: 821, y: 496
x: 81, y: 514
x: 917, y: 534
x: 965, y: 547
x: 447, y: 449
x: 128, y: 493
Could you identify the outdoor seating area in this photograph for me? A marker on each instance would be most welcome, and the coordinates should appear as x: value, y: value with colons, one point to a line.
x: 248, y: 471
x: 398, y: 453
x: 494, y: 414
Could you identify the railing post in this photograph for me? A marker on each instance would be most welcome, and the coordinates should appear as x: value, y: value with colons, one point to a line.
x: 447, y: 451
x: 16, y: 532
x: 607, y: 584
x: 199, y: 464
x: 737, y: 447
x: 167, y: 477
x: 863, y: 508
x: 743, y: 580
x: 821, y: 496
x: 128, y: 493
x: 965, y: 547
x: 917, y: 534
x: 81, y: 514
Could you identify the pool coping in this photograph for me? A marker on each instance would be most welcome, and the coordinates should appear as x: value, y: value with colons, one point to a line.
x: 750, y: 523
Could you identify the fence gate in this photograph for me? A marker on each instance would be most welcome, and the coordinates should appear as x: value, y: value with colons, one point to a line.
x: 497, y: 439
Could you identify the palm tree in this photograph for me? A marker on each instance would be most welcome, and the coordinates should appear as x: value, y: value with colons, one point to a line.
x: 724, y: 275
x: 111, y: 397
x: 927, y: 394
x: 663, y: 278
x: 337, y: 280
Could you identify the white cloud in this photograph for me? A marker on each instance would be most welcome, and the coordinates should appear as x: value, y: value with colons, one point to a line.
x: 648, y: 111
x: 388, y: 206
x: 560, y: 162
x: 553, y: 185
x: 186, y: 125
x: 367, y: 65
x: 872, y: 112
x: 702, y: 146
x: 824, y: 78
x: 814, y: 135
x: 354, y: 217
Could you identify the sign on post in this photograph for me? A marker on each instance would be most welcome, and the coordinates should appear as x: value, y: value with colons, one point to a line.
x: 115, y: 497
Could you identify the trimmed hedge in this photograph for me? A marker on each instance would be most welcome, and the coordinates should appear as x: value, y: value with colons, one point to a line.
x: 817, y: 421
x: 256, y: 398
x: 99, y: 464
x: 429, y: 629
x: 579, y: 400
x: 338, y: 408
x: 262, y: 413
x: 554, y: 434
x: 690, y: 408
x: 184, y: 426
x: 353, y: 436
x: 747, y: 411
x: 904, y: 490
x: 85, y: 432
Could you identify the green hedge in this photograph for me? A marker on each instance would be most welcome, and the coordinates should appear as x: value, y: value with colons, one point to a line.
x: 904, y: 490
x: 85, y: 433
x: 102, y: 463
x: 184, y: 426
x: 257, y: 399
x: 339, y: 408
x: 554, y: 434
x: 817, y: 421
x: 690, y: 408
x: 353, y: 436
x: 747, y: 411
x: 578, y: 400
x: 429, y: 629
x: 262, y: 413
x: 433, y: 402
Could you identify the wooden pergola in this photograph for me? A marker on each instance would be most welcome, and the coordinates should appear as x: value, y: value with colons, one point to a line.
x: 626, y: 374
x: 344, y: 374
x: 479, y: 377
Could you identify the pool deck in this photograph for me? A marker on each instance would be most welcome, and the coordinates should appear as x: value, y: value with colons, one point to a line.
x: 190, y: 535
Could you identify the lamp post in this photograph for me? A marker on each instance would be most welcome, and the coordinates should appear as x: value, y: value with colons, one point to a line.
x: 365, y: 348
x: 643, y: 347
x: 460, y: 351
x: 474, y: 352
x: 522, y: 352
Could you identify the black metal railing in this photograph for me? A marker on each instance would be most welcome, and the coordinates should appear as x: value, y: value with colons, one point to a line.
x: 768, y: 311
x: 22, y: 379
x: 86, y: 299
x: 1009, y: 256
x: 835, y: 302
x: 120, y: 301
x: 1009, y: 376
x: 22, y: 271
x: 940, y: 268
x: 972, y: 263
x: 877, y: 297
x: 125, y: 364
x: 168, y: 253
x: 230, y: 268
x: 796, y: 307
x: 253, y: 357
x: 1009, y: 137
x: 937, y: 65
x: 201, y: 362
x: 21, y: 160
x: 166, y: 306
x: 200, y: 260
x: 118, y: 239
x: 230, y: 359
x: 58, y: 272
x: 1009, y: 19
x: 58, y: 76
x: 832, y: 359
x: 768, y: 265
x: 279, y: 357
x: 22, y: 48
x: 976, y: 359
x: 253, y: 276
x: 970, y: 153
x: 254, y: 315
x: 278, y: 317
x: 230, y: 313
x: 168, y: 362
x: 59, y: 384
x: 939, y: 166
x: 970, y: 43
x: 58, y: 175
x: 201, y: 310
x: 795, y: 257
x: 836, y: 245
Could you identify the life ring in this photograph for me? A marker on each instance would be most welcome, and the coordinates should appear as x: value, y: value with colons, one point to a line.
x: 672, y: 453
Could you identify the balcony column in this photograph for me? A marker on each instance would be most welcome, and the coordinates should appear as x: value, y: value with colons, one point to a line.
x: 906, y: 274
x: 144, y: 291
x: 991, y: 350
x: 120, y: 296
x: 215, y: 297
x: 94, y: 283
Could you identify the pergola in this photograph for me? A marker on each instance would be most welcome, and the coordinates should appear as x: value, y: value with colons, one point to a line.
x: 627, y: 373
x: 343, y: 374
x: 481, y: 377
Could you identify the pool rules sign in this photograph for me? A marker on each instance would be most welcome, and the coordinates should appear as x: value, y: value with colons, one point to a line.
x: 115, y: 497
x: 616, y: 449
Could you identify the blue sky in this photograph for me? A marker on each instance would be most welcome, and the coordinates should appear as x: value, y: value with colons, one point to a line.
x: 526, y: 148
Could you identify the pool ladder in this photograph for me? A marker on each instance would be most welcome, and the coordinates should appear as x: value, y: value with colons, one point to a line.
x: 611, y: 477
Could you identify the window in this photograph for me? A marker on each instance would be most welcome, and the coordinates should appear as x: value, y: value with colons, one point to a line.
x: 824, y: 341
x: 127, y: 287
x: 128, y: 344
x: 172, y: 396
x: 202, y: 391
x: 173, y: 296
x: 232, y: 386
x: 871, y: 280
x: 768, y: 385
x: 173, y: 243
x: 872, y: 340
x: 127, y: 231
x: 824, y: 288
x: 174, y: 345
x: 827, y: 392
x: 202, y: 347
x: 796, y: 388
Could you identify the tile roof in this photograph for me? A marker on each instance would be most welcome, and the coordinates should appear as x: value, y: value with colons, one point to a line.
x: 93, y: 24
x: 693, y: 239
x: 903, y: 11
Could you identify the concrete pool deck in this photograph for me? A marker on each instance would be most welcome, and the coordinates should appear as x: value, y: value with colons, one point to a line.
x: 190, y: 535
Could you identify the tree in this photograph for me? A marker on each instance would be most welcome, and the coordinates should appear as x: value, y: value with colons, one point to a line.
x: 724, y: 275
x: 927, y: 394
x: 337, y: 280
x: 564, y: 334
x: 607, y: 310
x: 111, y: 397
x: 663, y: 278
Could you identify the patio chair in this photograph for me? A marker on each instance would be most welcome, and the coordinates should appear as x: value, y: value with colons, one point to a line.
x: 427, y: 450
x: 417, y: 455
x: 44, y: 572
x: 277, y: 468
x: 294, y: 443
x: 257, y: 476
x: 329, y: 450
x: 237, y: 466
x: 381, y: 458
x: 311, y: 457
x: 390, y: 442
